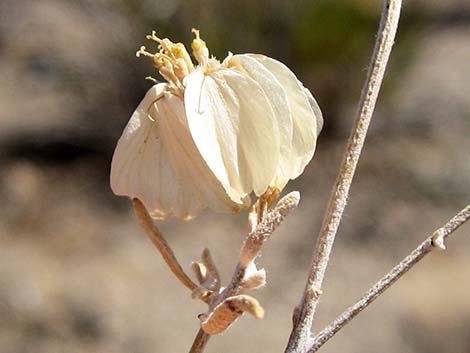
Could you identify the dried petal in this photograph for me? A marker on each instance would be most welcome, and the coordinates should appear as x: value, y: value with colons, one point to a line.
x: 228, y: 311
x: 157, y: 162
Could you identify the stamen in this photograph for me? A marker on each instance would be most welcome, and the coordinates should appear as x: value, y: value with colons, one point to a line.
x: 153, y: 105
x: 163, y: 44
x: 171, y: 59
x: 181, y: 67
x: 144, y: 52
x: 166, y: 70
x: 163, y: 56
x: 153, y: 37
x: 200, y: 51
x: 167, y: 45
x: 150, y: 78
x: 181, y: 53
x: 196, y: 32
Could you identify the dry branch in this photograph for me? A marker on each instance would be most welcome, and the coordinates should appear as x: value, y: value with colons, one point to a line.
x: 435, y: 241
x: 305, y: 312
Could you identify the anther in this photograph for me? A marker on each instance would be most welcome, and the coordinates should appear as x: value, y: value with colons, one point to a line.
x: 196, y: 32
x: 144, y: 52
x: 153, y: 37
x: 200, y: 51
x: 150, y: 78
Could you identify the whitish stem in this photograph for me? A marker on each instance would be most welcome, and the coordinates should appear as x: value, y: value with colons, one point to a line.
x: 435, y: 241
x: 305, y: 312
x: 151, y: 230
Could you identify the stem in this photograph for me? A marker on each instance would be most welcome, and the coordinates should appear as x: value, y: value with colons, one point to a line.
x: 304, y: 314
x: 249, y: 251
x: 435, y: 241
x: 200, y: 341
x: 161, y: 244
x: 151, y: 230
x: 255, y: 240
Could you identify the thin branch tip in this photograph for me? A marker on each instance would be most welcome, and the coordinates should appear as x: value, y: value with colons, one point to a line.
x: 436, y: 240
x: 289, y: 202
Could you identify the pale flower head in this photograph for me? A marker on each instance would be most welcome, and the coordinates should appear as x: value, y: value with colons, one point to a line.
x: 214, y: 133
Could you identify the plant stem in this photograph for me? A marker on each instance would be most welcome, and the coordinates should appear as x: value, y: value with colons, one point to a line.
x: 255, y: 240
x: 249, y: 251
x: 305, y: 312
x: 200, y: 341
x: 436, y: 240
x: 161, y: 244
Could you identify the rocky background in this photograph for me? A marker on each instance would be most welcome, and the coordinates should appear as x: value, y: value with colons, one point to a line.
x: 78, y: 275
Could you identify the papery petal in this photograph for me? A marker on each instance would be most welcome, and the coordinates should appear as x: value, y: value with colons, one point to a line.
x: 315, y: 107
x: 157, y: 162
x: 289, y: 163
x: 306, y: 115
x: 233, y: 126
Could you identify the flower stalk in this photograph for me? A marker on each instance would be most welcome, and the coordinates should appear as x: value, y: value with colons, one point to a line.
x: 154, y: 234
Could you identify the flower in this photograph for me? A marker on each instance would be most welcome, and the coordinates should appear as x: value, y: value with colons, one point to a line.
x: 214, y: 133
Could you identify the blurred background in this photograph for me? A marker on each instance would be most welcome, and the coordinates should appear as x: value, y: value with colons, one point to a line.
x: 78, y: 275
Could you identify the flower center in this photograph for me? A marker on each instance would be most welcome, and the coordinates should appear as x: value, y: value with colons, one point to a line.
x: 172, y: 59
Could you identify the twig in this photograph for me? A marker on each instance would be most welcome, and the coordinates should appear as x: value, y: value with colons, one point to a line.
x: 200, y: 342
x: 160, y: 243
x: 250, y: 250
x: 151, y: 230
x: 255, y: 240
x: 435, y: 241
x: 211, y: 268
x: 304, y: 314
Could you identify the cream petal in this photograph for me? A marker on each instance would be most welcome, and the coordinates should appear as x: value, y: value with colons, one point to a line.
x: 306, y: 114
x: 157, y: 161
x: 289, y: 163
x: 233, y: 126
x: 315, y: 107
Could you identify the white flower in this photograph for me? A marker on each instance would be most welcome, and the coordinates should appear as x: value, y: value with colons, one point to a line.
x: 214, y: 133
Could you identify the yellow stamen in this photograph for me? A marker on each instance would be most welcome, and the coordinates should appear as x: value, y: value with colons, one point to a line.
x: 143, y: 52
x: 172, y: 59
x: 200, y: 51
x: 153, y: 37
x: 150, y: 78
x: 196, y: 32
